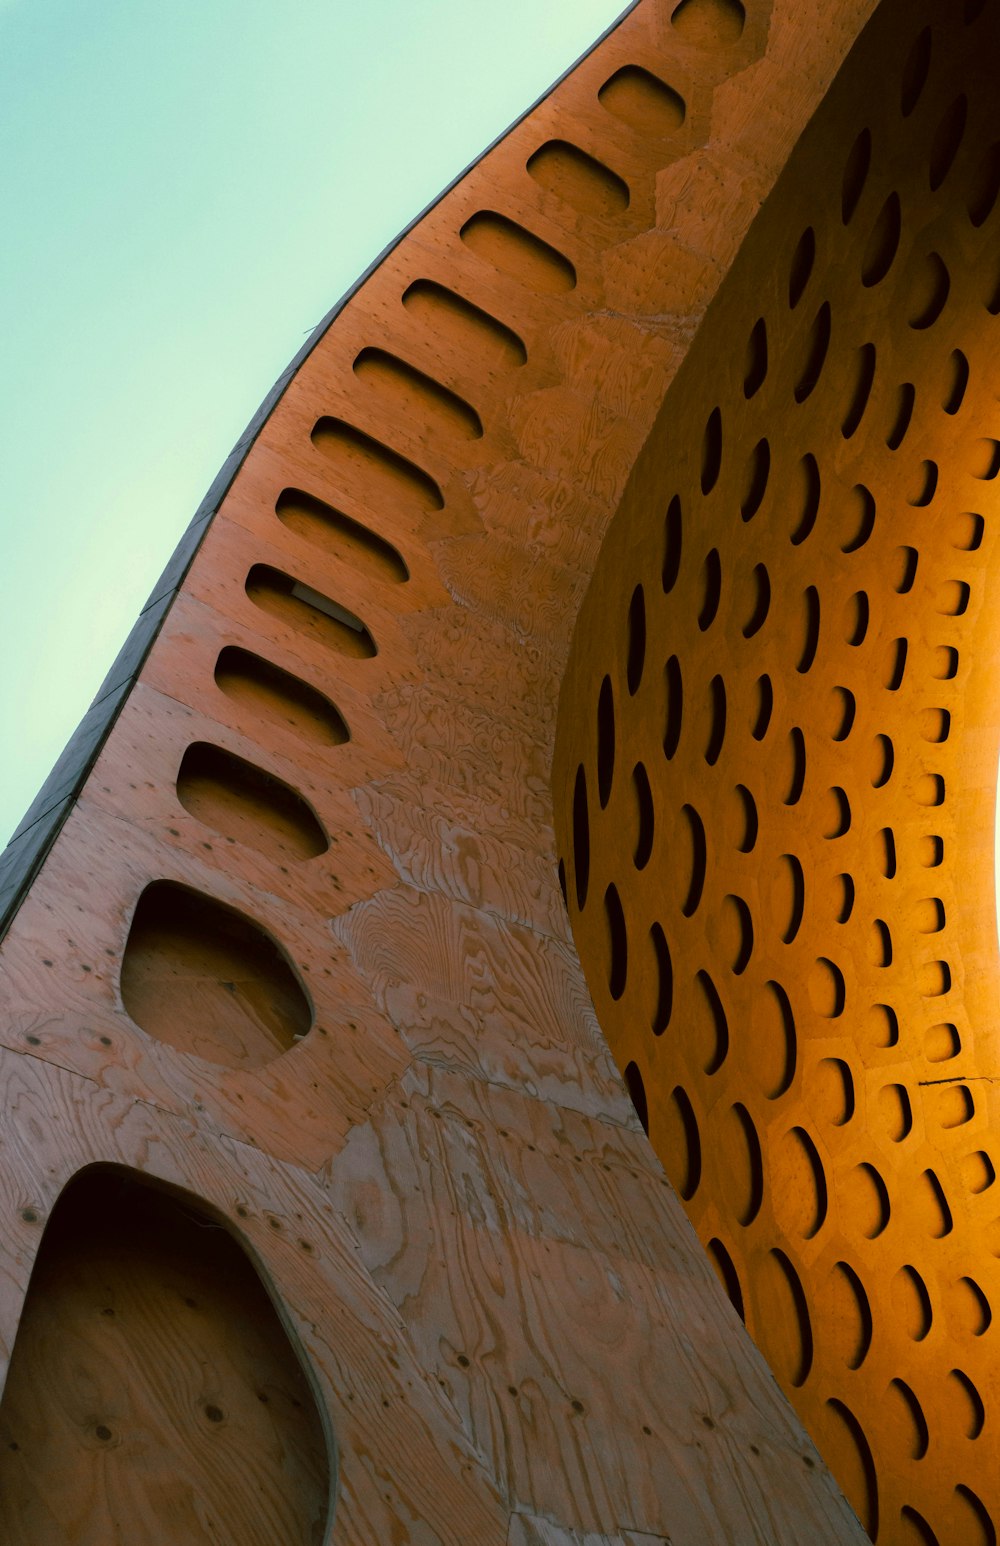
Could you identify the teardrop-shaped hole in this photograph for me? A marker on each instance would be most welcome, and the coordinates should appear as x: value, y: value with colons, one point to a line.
x: 817, y: 347
x: 699, y: 860
x: 636, y: 640
x: 675, y: 707
x: 209, y: 981
x: 316, y: 617
x: 244, y: 803
x: 672, y: 536
x: 149, y: 1353
x: 758, y: 471
x: 637, y: 1094
x: 755, y: 367
x: 861, y: 390
x: 581, y: 838
x: 860, y: 522
x: 906, y: 397
x: 717, y: 731
x: 267, y: 692
x: 915, y: 72
x: 605, y: 741
x: 856, y: 170
x: 883, y: 243
x: 803, y: 259
x: 806, y: 497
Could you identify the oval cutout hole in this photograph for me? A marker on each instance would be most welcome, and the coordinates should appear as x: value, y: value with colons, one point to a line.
x: 244, y: 803
x: 276, y: 696
x: 340, y: 537
x: 210, y: 982
x: 309, y: 612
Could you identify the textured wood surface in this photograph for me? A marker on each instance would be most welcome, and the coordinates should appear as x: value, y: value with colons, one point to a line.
x: 777, y: 771
x: 511, y: 1331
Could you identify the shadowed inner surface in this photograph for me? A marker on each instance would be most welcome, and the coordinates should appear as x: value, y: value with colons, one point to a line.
x: 153, y: 1394
x: 791, y: 938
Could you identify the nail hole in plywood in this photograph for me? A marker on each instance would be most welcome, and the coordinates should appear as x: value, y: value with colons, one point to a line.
x: 208, y: 981
x: 516, y: 251
x: 341, y: 537
x: 373, y: 473
x: 643, y: 101
x: 277, y: 697
x: 571, y: 175
x: 162, y: 1397
x: 243, y: 802
x: 416, y: 398
x: 320, y: 619
x: 473, y: 334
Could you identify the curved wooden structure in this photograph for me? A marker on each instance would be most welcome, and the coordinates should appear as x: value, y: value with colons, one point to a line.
x: 285, y: 931
x: 777, y: 778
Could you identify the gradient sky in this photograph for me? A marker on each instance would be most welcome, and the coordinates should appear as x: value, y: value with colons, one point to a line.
x: 186, y: 188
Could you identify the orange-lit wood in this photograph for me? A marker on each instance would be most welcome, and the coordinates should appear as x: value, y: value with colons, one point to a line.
x: 512, y: 1332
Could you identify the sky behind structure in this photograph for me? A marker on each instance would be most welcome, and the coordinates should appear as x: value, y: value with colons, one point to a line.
x: 186, y: 190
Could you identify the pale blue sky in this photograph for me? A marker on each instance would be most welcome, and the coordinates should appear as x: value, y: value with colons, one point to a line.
x: 186, y: 187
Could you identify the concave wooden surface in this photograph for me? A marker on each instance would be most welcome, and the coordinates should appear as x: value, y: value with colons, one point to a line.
x: 513, y: 1332
x: 777, y: 772
x: 153, y: 1395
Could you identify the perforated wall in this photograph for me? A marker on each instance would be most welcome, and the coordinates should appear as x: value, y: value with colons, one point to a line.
x: 777, y: 772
